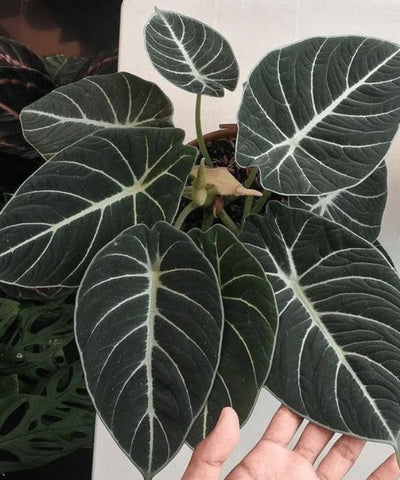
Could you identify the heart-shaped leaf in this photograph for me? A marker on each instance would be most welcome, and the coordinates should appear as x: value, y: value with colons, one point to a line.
x: 319, y: 115
x: 83, y: 198
x: 250, y: 321
x: 149, y: 327
x: 359, y: 208
x: 337, y: 356
x: 23, y: 79
x: 62, y: 69
x: 190, y: 54
x: 74, y: 111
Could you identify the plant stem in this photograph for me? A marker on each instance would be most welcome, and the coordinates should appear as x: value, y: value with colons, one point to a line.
x: 261, y: 202
x: 184, y: 213
x: 228, y: 222
x: 247, y: 208
x: 199, y: 133
x: 250, y: 179
x: 208, y: 222
x: 187, y: 192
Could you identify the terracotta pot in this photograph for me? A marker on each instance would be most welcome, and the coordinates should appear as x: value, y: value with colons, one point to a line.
x: 226, y: 130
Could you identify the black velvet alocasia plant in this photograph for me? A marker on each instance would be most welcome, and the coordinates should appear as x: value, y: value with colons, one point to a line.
x: 176, y: 319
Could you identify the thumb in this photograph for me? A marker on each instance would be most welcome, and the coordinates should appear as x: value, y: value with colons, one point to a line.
x: 211, y: 453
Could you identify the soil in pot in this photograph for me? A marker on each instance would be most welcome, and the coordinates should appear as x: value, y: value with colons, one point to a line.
x: 221, y: 148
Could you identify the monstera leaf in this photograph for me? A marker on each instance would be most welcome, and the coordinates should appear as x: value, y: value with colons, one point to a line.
x: 360, y: 208
x: 83, y: 198
x: 319, y: 115
x: 9, y: 385
x: 190, y: 54
x: 249, y: 328
x: 67, y: 384
x: 45, y: 411
x: 23, y: 79
x: 35, y: 430
x: 149, y: 327
x: 9, y: 310
x: 38, y: 335
x: 337, y: 357
x: 74, y: 111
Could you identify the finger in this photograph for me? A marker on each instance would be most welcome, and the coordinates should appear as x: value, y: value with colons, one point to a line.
x: 211, y: 453
x: 389, y: 470
x: 282, y: 427
x: 340, y: 458
x: 257, y: 462
x: 312, y: 441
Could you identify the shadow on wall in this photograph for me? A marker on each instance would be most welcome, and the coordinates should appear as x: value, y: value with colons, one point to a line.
x: 72, y: 27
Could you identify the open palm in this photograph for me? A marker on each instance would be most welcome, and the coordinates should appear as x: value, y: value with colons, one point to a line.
x: 271, y: 459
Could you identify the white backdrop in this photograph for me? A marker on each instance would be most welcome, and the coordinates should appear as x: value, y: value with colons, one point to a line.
x: 253, y: 27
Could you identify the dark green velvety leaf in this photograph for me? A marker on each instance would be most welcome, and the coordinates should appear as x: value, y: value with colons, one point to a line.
x: 337, y: 356
x: 319, y: 115
x: 149, y: 328
x: 90, y: 105
x: 250, y: 321
x: 190, y: 54
x: 359, y: 208
x: 62, y: 69
x: 35, y: 430
x: 83, y: 198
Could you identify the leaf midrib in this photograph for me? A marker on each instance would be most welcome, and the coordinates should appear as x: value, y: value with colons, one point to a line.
x: 196, y: 74
x: 309, y: 307
x: 294, y: 141
x: 133, y: 190
x: 101, y: 124
x: 140, y: 186
x: 154, y: 282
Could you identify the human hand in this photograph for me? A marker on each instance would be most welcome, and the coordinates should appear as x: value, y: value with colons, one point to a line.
x: 271, y: 459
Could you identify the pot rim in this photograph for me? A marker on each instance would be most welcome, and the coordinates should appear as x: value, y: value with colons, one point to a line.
x: 226, y: 130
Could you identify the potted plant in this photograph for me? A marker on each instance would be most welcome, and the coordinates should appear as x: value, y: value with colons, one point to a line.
x: 175, y: 322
